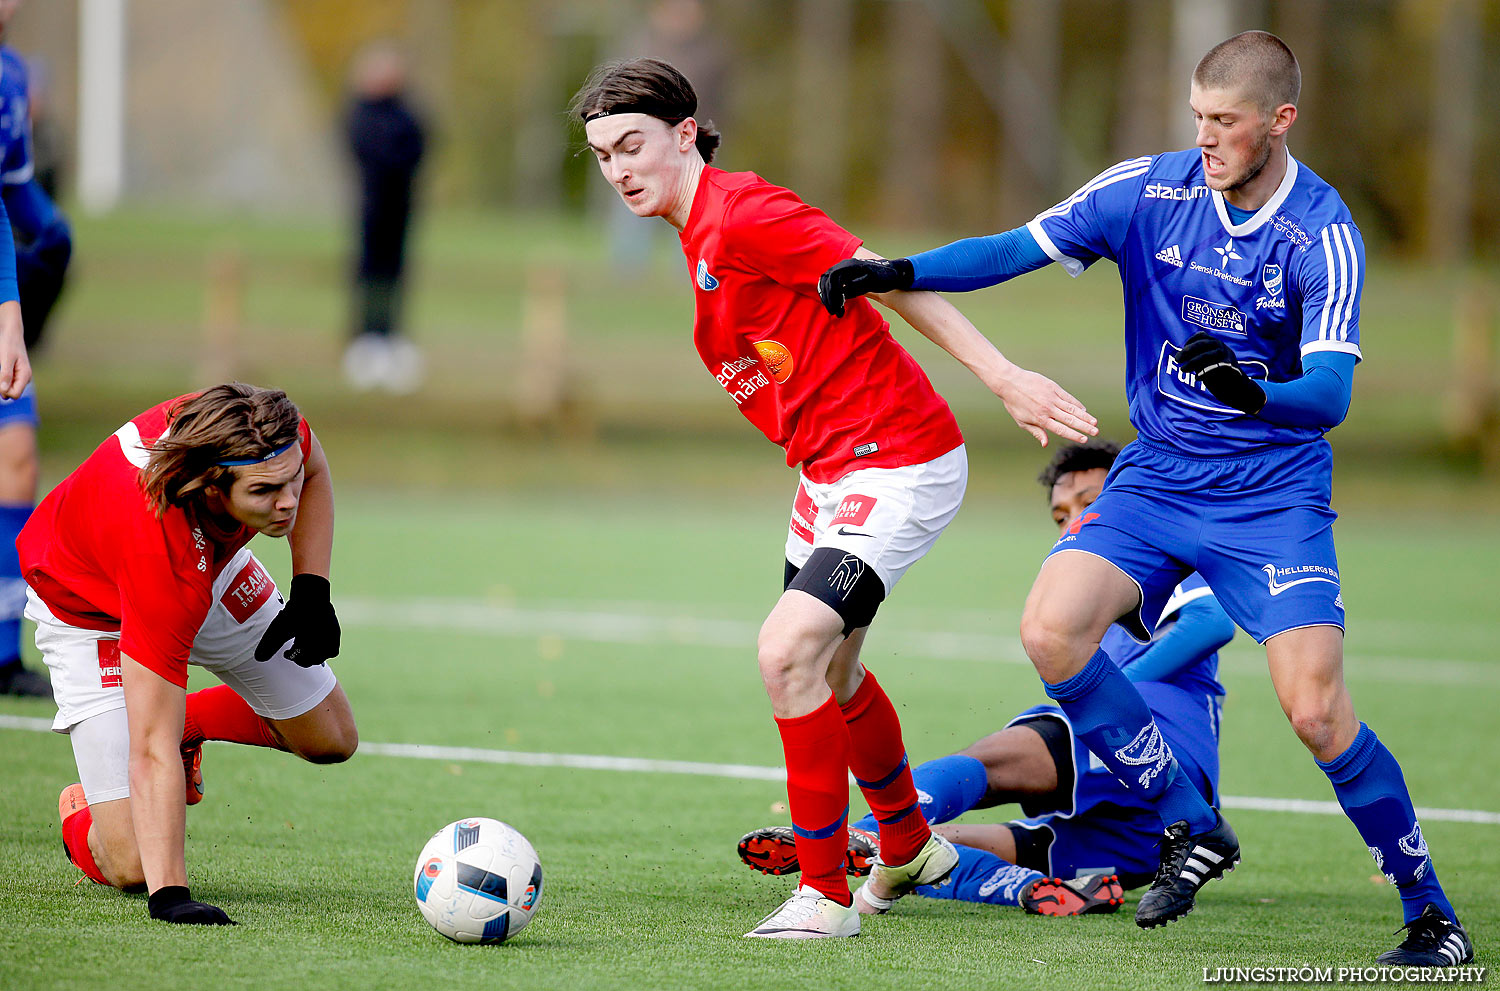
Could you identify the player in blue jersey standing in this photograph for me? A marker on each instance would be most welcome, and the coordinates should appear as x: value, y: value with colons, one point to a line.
x: 1242, y: 273
x: 1084, y: 834
x: 43, y: 247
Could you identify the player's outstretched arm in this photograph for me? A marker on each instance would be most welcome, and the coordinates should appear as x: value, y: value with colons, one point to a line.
x: 308, y: 621
x: 1202, y: 627
x: 1037, y: 404
x: 962, y: 266
x: 154, y: 708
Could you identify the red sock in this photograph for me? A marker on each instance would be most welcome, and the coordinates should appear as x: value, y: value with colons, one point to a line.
x: 75, y: 831
x: 878, y: 759
x: 817, y: 789
x: 218, y: 713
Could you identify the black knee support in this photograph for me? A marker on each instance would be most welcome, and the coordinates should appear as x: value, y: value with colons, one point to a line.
x: 842, y: 581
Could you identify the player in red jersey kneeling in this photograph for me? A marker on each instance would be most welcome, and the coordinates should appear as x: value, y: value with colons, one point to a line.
x: 136, y: 567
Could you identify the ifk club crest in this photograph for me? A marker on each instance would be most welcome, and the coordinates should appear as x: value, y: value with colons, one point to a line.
x: 1270, y: 275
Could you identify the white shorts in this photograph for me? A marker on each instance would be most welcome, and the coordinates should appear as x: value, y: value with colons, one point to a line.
x: 886, y: 517
x: 87, y: 684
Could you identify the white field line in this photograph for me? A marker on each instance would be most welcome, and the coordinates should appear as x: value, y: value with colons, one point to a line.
x: 627, y: 623
x: 751, y: 772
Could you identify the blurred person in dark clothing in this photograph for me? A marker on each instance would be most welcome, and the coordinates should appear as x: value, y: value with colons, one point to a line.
x: 386, y: 140
x: 43, y: 248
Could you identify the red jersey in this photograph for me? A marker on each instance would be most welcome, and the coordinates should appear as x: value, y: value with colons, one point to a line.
x: 96, y: 553
x: 837, y: 393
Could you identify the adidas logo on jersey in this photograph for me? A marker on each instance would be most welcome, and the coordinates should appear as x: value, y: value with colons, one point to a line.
x: 1172, y: 256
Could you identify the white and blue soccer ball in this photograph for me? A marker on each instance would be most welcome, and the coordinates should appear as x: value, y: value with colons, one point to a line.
x: 478, y: 881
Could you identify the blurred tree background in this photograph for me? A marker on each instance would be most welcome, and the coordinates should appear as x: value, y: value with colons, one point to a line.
x: 909, y: 121
x: 936, y: 113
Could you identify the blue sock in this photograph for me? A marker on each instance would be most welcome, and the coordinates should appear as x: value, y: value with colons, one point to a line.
x: 981, y: 876
x: 12, y: 587
x: 1372, y: 791
x: 1110, y: 717
x: 946, y: 788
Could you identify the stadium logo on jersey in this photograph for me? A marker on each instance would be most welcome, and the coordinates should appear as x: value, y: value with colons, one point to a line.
x: 1172, y: 256
x: 109, y: 664
x: 705, y: 281
x: 777, y: 358
x: 1162, y: 191
x: 1149, y: 750
x: 1213, y: 316
x: 1308, y: 573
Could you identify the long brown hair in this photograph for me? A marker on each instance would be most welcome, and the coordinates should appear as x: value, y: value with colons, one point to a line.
x: 644, y: 86
x: 229, y: 422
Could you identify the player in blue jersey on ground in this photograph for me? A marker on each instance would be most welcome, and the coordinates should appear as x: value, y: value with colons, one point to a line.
x: 1085, y: 835
x: 1242, y: 273
x: 43, y: 246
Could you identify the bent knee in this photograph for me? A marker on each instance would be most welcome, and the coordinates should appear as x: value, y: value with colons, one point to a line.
x: 1046, y: 639
x: 335, y: 750
x: 122, y: 869
x: 1318, y: 727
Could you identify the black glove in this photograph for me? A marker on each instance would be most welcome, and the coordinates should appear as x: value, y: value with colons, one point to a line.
x: 857, y: 276
x: 174, y: 904
x: 307, y: 620
x: 1214, y: 364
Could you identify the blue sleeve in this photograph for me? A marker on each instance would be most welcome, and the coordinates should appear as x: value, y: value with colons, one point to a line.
x: 30, y: 210
x: 1329, y: 274
x: 1092, y: 223
x: 1319, y: 397
x: 978, y: 262
x: 10, y: 292
x: 1202, y: 627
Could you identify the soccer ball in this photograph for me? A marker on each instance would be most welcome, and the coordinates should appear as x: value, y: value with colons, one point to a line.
x: 478, y: 881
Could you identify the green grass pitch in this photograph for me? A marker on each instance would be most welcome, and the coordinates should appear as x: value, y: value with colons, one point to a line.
x: 591, y: 624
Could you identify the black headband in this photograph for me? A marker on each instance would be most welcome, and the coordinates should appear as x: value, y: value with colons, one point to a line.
x: 649, y: 109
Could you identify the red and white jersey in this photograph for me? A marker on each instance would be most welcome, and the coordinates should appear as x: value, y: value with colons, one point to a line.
x: 837, y: 393
x: 97, y: 554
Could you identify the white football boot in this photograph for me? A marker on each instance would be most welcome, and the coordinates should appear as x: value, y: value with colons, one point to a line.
x: 808, y: 914
x: 932, y: 865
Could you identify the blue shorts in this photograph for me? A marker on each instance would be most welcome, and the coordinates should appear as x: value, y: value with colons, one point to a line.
x: 20, y: 410
x: 1105, y: 829
x: 1258, y: 529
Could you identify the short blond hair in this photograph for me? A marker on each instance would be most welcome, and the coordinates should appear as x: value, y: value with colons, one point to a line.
x: 1256, y: 64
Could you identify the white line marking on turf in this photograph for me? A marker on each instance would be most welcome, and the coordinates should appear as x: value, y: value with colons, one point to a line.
x: 644, y: 623
x: 752, y: 772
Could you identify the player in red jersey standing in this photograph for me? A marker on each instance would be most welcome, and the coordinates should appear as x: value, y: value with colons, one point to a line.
x: 883, y: 467
x: 136, y: 567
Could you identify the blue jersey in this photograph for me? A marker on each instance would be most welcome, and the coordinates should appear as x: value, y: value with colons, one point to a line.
x: 15, y: 120
x: 1281, y: 285
x: 1201, y: 678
